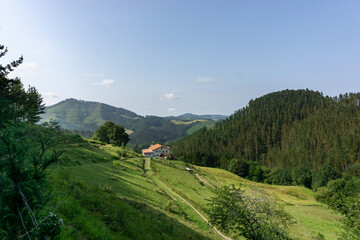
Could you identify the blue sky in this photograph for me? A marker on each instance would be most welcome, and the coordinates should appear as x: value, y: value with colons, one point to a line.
x: 172, y: 57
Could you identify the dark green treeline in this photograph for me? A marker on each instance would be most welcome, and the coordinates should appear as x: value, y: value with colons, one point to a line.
x: 282, y: 129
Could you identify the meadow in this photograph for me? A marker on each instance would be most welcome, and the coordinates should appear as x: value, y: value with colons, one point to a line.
x: 106, y: 192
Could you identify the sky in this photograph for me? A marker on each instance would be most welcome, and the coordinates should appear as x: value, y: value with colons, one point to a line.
x: 167, y: 57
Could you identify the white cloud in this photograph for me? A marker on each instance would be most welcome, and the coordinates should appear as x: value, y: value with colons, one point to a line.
x: 204, y: 79
x: 104, y: 82
x: 171, y: 109
x: 49, y: 94
x: 169, y: 96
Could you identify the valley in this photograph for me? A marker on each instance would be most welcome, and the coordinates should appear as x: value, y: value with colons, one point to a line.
x: 84, y: 117
x: 118, y: 176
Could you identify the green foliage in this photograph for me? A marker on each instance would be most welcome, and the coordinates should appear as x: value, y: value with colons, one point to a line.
x: 253, y: 215
x: 301, y: 176
x: 111, y: 133
x: 252, y: 131
x: 152, y: 129
x: 16, y: 103
x: 88, y: 116
x: 352, y: 218
x: 279, y: 177
x: 324, y: 175
x: 26, y: 151
x: 85, y: 117
x: 50, y: 226
x: 283, y: 129
x: 208, y: 124
x: 133, y: 185
x: 353, y: 170
x: 342, y: 195
x: 239, y: 167
x: 256, y: 172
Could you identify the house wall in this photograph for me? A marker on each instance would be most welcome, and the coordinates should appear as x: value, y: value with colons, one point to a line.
x: 148, y: 154
x: 160, y: 151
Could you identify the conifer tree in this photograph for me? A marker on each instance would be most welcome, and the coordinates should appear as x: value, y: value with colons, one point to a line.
x: 24, y: 157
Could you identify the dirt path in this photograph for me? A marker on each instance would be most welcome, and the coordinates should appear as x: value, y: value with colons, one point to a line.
x: 204, y: 180
x: 163, y: 186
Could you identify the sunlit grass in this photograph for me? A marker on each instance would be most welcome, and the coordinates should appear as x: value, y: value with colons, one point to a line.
x: 118, y: 174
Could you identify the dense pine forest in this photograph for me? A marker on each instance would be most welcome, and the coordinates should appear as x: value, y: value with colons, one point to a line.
x: 284, y: 129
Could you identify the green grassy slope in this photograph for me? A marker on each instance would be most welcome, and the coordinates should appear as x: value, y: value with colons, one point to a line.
x: 84, y: 115
x: 107, y: 192
x: 88, y: 116
x: 312, y: 217
x: 97, y: 192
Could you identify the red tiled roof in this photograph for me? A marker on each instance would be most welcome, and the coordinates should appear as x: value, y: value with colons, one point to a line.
x: 156, y: 146
x: 146, y: 151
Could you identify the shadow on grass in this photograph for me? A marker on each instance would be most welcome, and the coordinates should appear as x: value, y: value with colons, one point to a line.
x: 92, y: 214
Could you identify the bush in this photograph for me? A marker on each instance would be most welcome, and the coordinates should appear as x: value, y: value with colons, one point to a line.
x: 279, y: 177
x: 323, y: 176
x: 256, y: 172
x: 75, y: 138
x: 301, y: 176
x: 342, y: 195
x: 353, y: 170
x: 323, y: 195
x: 234, y: 210
x: 239, y: 166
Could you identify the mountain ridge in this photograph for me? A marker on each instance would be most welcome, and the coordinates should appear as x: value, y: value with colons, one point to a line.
x: 282, y: 129
x: 81, y: 115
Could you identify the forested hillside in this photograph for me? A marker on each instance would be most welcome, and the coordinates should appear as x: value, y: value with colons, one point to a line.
x: 282, y: 129
x: 84, y: 117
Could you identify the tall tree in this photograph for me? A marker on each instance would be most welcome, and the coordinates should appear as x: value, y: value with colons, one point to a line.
x: 283, y: 129
x: 111, y: 133
x: 24, y: 156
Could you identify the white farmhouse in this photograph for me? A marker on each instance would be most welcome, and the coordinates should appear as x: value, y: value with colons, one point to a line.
x: 156, y: 150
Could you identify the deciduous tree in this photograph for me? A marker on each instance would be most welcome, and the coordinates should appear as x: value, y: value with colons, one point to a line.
x: 253, y: 215
x: 111, y: 133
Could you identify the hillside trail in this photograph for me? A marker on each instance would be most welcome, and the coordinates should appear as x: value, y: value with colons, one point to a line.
x: 203, y: 180
x: 164, y: 187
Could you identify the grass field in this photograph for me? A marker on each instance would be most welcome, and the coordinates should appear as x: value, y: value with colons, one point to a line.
x: 188, y: 122
x: 106, y: 192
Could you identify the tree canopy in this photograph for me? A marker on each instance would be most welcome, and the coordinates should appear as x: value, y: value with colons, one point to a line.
x: 111, y: 133
x: 283, y: 129
x: 26, y: 151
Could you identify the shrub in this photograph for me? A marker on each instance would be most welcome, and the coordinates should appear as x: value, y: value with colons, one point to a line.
x: 323, y: 176
x: 353, y: 170
x: 301, y: 176
x: 256, y: 172
x: 279, y: 177
x: 233, y: 209
x: 239, y: 167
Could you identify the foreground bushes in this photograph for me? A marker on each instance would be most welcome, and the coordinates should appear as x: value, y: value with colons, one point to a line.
x: 343, y: 196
